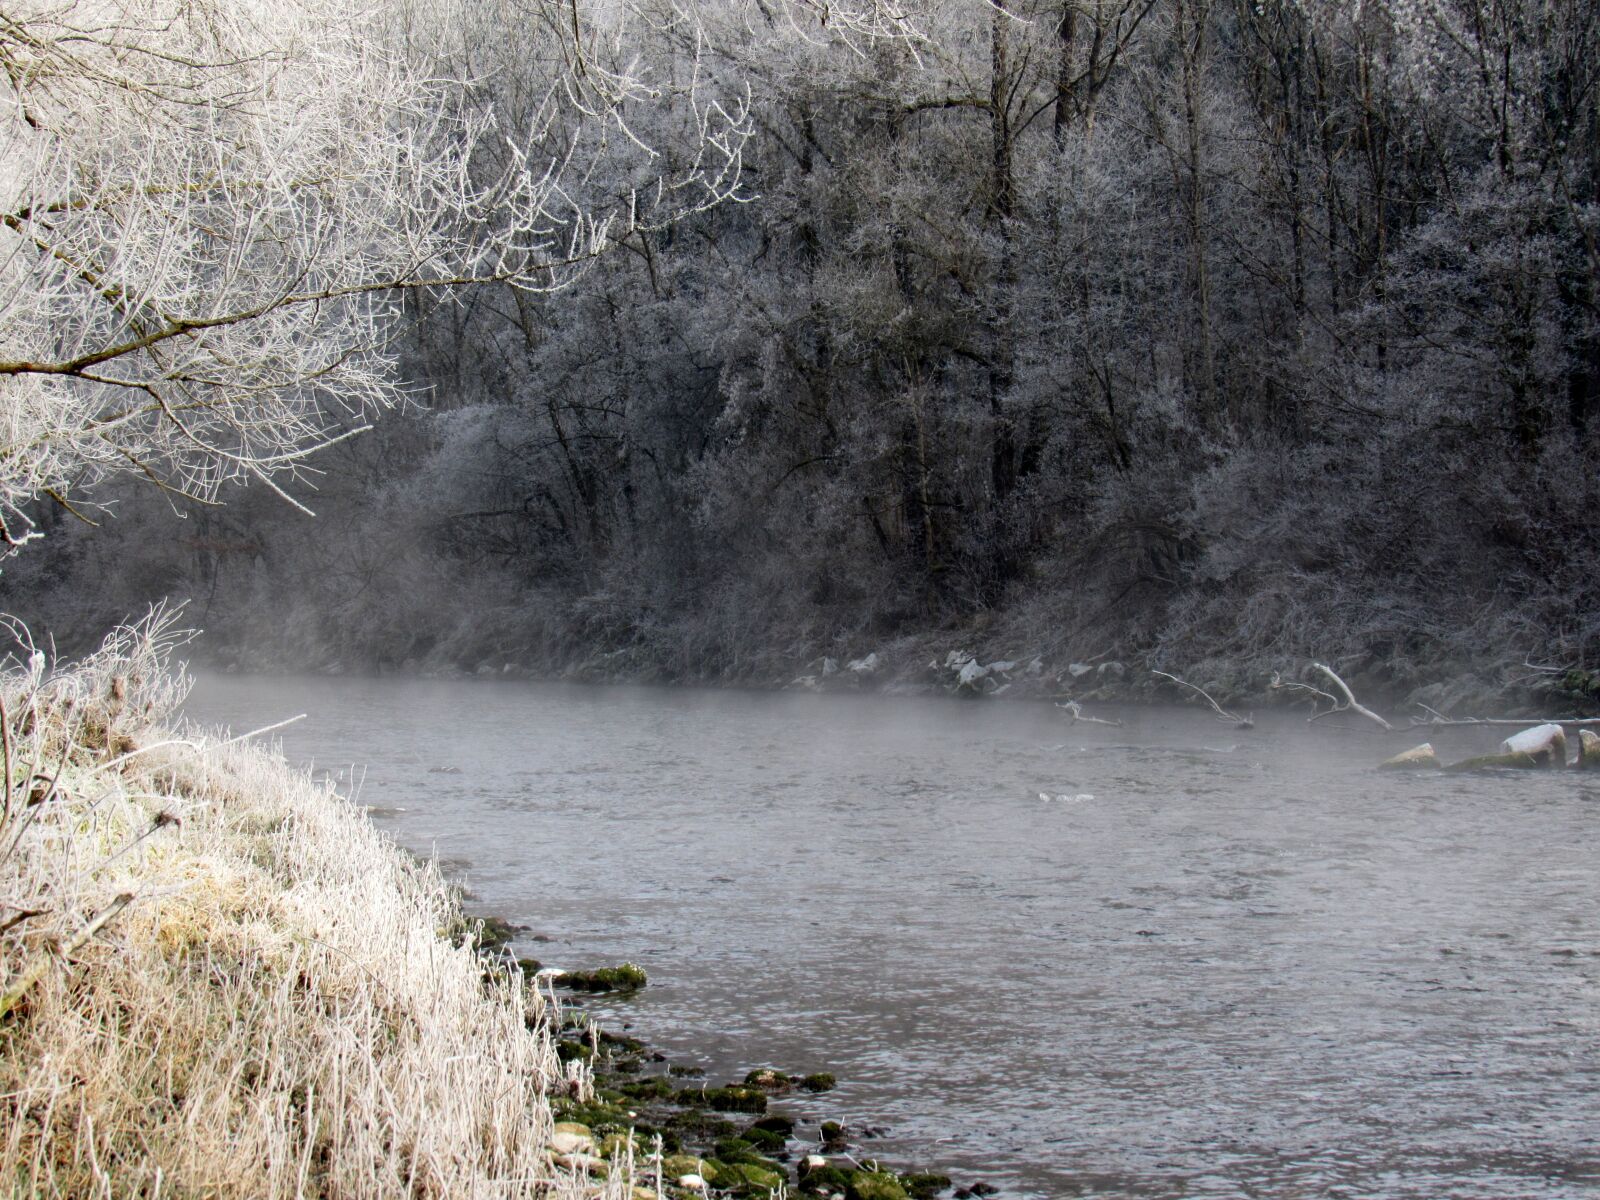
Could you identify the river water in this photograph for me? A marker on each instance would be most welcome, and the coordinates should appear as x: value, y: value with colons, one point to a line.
x: 1204, y: 963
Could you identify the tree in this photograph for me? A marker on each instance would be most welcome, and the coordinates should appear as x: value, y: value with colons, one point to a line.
x: 212, y: 210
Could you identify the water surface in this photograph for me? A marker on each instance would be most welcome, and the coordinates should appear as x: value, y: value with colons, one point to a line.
x: 1211, y: 963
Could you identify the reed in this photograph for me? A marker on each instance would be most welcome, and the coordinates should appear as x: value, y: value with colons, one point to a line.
x: 220, y: 980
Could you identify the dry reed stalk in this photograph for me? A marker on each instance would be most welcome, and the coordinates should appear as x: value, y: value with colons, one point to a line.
x: 280, y: 1011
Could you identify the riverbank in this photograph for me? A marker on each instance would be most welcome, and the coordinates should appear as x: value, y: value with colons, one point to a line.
x: 221, y: 980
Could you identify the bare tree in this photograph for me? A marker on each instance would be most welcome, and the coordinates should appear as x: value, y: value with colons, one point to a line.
x: 211, y: 211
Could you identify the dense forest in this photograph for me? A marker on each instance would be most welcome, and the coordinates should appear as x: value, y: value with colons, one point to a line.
x: 1209, y: 335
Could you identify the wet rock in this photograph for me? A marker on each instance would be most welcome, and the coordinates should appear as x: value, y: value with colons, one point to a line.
x: 693, y: 1182
x: 677, y: 1166
x: 1547, y: 744
x: 822, y: 1081
x: 769, y: 1080
x: 833, y: 1134
x: 571, y: 1138
x: 1415, y: 759
x: 725, y: 1099
x: 1588, y: 750
x: 759, y: 1177
x: 1497, y: 762
x: 1110, y: 672
x: 924, y: 1185
x: 586, y: 1164
x: 625, y: 978
x: 875, y: 1185
x: 863, y: 666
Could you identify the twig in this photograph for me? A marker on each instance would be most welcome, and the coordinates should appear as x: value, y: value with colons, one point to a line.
x: 1075, y: 710
x: 264, y: 729
x: 1278, y: 685
x: 40, y: 962
x: 1245, y: 722
x: 1350, y: 702
x: 1439, y: 721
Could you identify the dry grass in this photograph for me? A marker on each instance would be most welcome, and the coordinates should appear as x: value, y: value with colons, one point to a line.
x: 280, y: 1010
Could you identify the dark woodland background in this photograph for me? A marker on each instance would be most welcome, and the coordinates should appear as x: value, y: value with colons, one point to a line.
x: 1209, y: 335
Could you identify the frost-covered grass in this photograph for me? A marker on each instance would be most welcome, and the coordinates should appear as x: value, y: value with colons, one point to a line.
x: 280, y: 1002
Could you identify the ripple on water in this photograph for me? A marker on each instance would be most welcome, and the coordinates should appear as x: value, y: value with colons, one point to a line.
x: 1251, y: 966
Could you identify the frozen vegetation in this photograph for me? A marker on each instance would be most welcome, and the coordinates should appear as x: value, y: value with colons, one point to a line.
x: 1206, y: 336
x: 220, y: 980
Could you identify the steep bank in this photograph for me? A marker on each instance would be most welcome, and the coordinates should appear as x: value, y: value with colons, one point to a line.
x: 220, y: 980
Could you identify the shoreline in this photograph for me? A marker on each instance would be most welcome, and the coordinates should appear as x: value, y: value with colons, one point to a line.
x: 221, y: 978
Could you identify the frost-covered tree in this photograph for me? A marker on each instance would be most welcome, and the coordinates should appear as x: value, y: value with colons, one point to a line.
x: 211, y: 212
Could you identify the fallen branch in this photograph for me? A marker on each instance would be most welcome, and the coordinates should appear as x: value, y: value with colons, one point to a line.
x: 1350, y: 701
x: 1075, y: 711
x: 39, y: 964
x: 1245, y: 722
x: 1437, y: 720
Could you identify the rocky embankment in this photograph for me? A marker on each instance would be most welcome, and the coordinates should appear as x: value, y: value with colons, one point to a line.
x: 678, y: 1135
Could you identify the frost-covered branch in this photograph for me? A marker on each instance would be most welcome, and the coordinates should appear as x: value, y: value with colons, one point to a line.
x: 209, y: 213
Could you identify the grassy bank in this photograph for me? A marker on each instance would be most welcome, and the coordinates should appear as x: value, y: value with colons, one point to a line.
x: 220, y: 980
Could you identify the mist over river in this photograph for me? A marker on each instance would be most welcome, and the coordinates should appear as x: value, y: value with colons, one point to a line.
x: 1211, y: 963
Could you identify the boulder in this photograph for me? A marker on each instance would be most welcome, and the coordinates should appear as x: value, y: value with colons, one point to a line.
x: 1516, y: 761
x: 1546, y: 743
x: 1418, y: 758
x: 863, y: 666
x: 1588, y: 750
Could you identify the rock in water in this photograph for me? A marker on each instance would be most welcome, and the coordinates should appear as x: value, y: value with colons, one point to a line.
x: 1546, y: 743
x: 1516, y: 761
x: 1417, y: 758
x: 1588, y: 750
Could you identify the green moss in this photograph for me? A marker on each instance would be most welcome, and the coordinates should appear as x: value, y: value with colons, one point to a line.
x: 759, y: 1178
x: 725, y: 1099
x: 625, y: 978
x: 646, y: 1089
x: 875, y: 1185
x: 687, y: 1164
x: 567, y: 1050
x: 924, y: 1185
x: 776, y: 1123
x: 621, y: 1041
x: 824, y: 1179
x: 766, y: 1139
x: 1517, y: 760
x: 768, y: 1079
x: 599, y: 1117
x: 832, y: 1132
x: 819, y: 1082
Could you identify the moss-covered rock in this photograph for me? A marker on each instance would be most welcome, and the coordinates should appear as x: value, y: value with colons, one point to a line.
x: 768, y: 1079
x: 758, y: 1177
x: 833, y: 1134
x: 766, y: 1140
x: 678, y: 1165
x: 875, y: 1185
x: 924, y: 1185
x: 821, y: 1081
x: 819, y: 1180
x: 1418, y: 758
x: 625, y: 978
x: 725, y: 1099
x: 646, y: 1089
x: 1517, y: 760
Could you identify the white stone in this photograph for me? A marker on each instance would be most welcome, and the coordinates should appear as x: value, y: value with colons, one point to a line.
x: 693, y: 1182
x: 1547, y: 742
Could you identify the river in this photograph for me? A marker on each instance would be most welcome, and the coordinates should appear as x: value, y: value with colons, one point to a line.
x: 1173, y: 959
